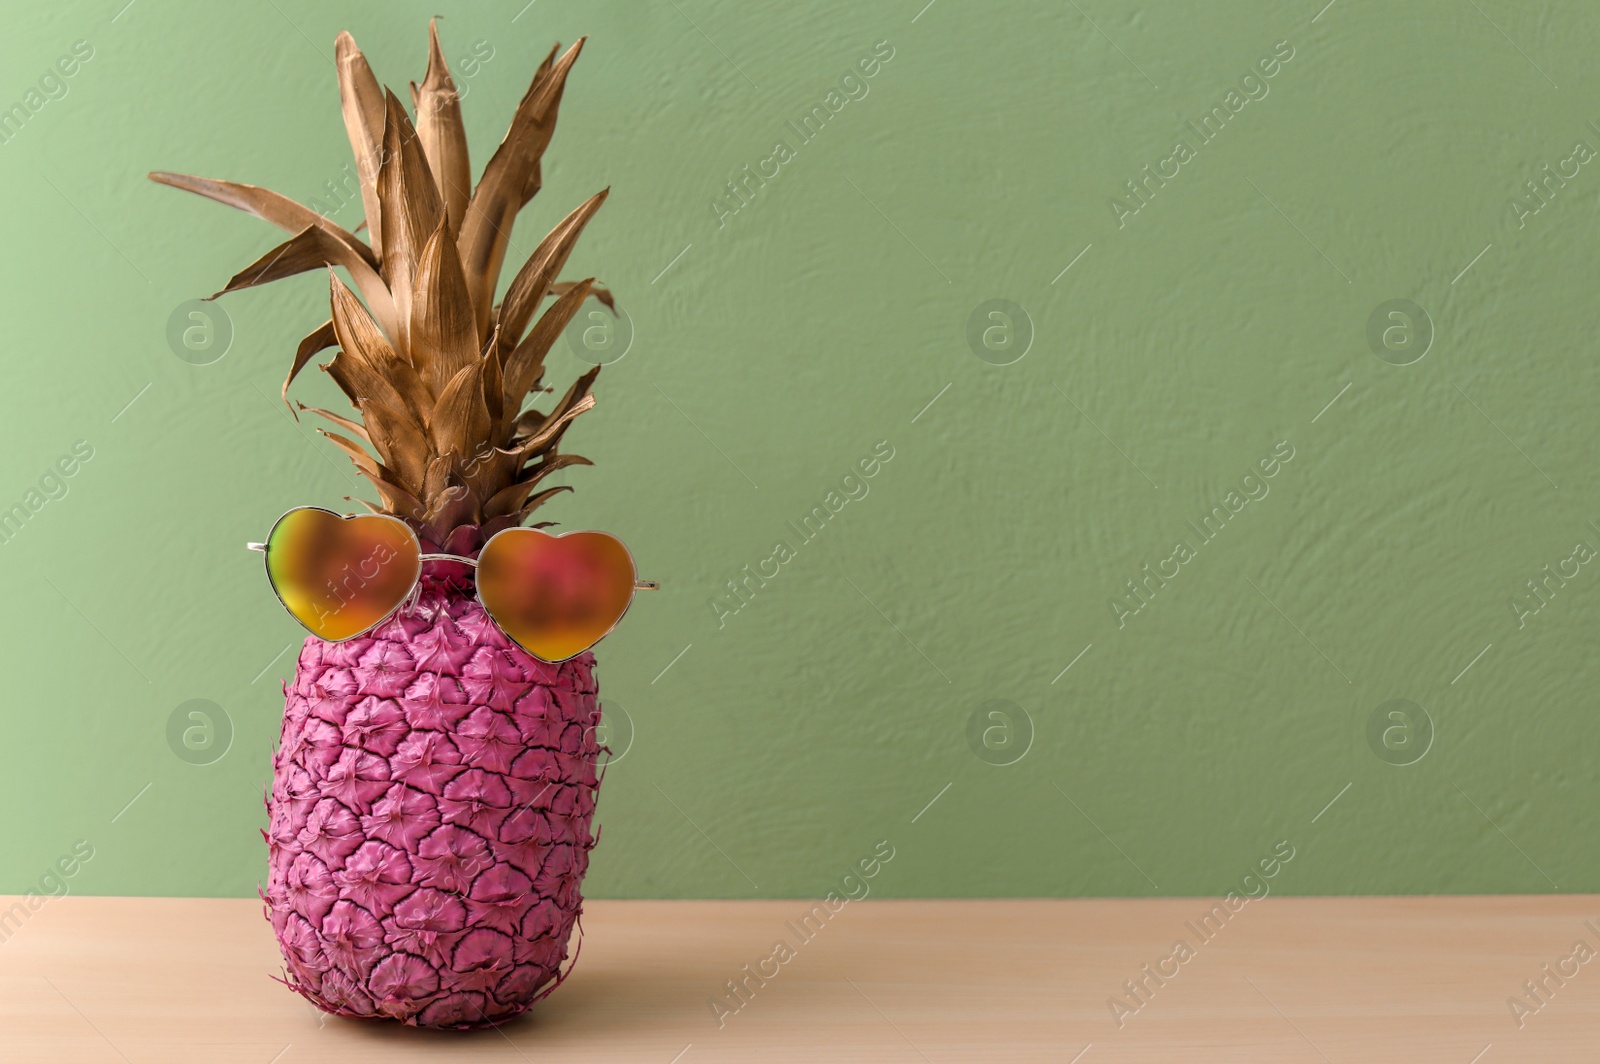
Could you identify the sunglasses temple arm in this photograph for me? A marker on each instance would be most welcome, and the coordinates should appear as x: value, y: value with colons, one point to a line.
x: 259, y: 548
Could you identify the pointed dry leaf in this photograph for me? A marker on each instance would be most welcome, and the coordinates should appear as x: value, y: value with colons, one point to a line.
x: 397, y: 500
x: 361, y: 100
x: 526, y: 424
x: 528, y: 287
x: 544, y: 432
x: 320, y: 339
x: 410, y: 210
x: 444, y: 138
x: 513, y: 498
x: 460, y: 419
x: 510, y: 172
x: 367, y: 464
x: 399, y: 441
x: 444, y: 338
x: 547, y: 64
x: 526, y: 363
x: 365, y: 344
x: 553, y: 425
x: 494, y: 388
x: 488, y: 470
x: 437, y: 477
x: 355, y: 428
x: 537, y: 501
x: 354, y: 327
x: 394, y: 496
x: 530, y: 187
x: 600, y: 293
x: 306, y: 250
x: 358, y: 381
x: 342, y: 379
x: 265, y: 204
x: 516, y: 498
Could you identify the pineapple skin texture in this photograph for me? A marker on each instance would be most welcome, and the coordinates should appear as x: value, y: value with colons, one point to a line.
x: 429, y: 817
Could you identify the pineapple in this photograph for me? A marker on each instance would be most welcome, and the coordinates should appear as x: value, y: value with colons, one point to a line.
x: 429, y: 816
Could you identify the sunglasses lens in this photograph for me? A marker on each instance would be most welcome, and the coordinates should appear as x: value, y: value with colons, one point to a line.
x: 340, y: 576
x: 556, y: 596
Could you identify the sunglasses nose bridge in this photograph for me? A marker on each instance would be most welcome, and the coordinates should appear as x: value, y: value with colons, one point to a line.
x: 423, y: 560
x: 445, y: 560
x: 473, y: 562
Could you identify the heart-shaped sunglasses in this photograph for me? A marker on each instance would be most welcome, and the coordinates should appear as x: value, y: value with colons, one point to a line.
x: 342, y: 575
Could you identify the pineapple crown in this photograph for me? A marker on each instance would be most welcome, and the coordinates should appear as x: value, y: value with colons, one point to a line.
x: 437, y: 371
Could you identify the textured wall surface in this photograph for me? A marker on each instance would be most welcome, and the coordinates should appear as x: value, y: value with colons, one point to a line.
x: 1331, y: 267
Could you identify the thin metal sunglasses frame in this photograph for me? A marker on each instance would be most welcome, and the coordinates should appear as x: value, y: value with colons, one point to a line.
x: 409, y: 601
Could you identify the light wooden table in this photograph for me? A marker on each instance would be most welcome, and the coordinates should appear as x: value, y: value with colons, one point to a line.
x: 1419, y: 980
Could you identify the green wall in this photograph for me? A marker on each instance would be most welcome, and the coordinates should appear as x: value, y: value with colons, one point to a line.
x: 1174, y: 349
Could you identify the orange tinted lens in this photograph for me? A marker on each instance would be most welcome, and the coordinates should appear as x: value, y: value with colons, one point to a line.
x: 340, y: 576
x: 555, y: 595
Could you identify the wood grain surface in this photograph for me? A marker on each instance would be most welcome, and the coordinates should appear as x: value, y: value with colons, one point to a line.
x: 1419, y: 980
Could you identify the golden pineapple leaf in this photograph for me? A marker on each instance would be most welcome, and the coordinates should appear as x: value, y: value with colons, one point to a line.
x: 526, y: 425
x: 399, y: 441
x: 510, y: 176
x: 397, y: 500
x: 444, y: 138
x: 528, y: 287
x: 460, y: 419
x: 361, y: 100
x: 306, y: 250
x: 444, y: 338
x: 364, y: 462
x: 539, y: 435
x: 536, y: 502
x: 600, y: 293
x: 549, y: 431
x: 355, y: 428
x: 530, y: 187
x: 486, y: 471
x: 493, y: 382
x: 365, y: 385
x: 410, y: 210
x: 436, y: 478
x: 394, y: 496
x: 513, y: 498
x: 265, y: 204
x: 525, y: 364
x: 320, y: 339
x: 516, y: 498
x: 367, y: 355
